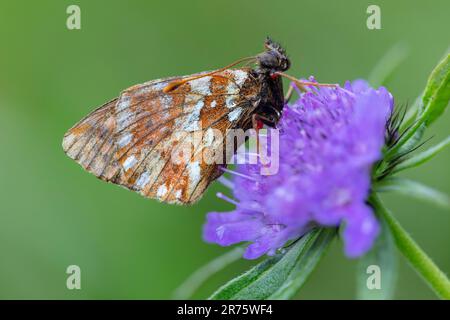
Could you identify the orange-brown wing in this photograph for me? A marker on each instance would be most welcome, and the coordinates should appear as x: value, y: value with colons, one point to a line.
x: 131, y: 140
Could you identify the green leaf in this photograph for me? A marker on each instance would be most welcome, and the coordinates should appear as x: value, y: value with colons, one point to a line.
x: 437, y: 92
x: 282, y: 275
x: 191, y: 284
x: 435, y: 99
x: 388, y: 64
x: 382, y: 256
x: 422, y: 157
x: 304, y: 267
x: 413, y: 189
x: 418, y: 259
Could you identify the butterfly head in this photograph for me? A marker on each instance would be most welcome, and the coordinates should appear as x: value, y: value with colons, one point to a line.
x: 274, y: 58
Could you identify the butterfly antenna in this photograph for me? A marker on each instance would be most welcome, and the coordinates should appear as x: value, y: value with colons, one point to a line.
x: 176, y: 83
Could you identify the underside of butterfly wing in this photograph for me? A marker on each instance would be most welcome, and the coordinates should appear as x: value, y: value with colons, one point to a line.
x: 131, y: 140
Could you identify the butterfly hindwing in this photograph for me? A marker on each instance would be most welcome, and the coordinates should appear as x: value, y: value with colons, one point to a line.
x: 92, y: 139
x: 130, y: 140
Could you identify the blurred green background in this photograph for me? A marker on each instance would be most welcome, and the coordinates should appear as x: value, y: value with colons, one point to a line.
x: 53, y: 214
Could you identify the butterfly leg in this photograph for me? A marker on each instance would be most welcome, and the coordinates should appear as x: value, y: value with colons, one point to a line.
x: 301, y: 83
x: 301, y: 86
x: 288, y: 95
x: 258, y: 122
x: 315, y: 84
x: 257, y: 125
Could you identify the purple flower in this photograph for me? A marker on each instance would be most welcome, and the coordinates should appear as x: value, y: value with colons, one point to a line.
x: 329, y: 140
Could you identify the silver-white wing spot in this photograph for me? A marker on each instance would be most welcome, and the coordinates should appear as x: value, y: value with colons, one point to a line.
x: 125, y: 139
x: 201, y: 86
x: 239, y: 76
x: 162, y: 190
x: 233, y: 115
x: 194, y: 172
x: 129, y: 162
x: 191, y: 123
x: 143, y: 180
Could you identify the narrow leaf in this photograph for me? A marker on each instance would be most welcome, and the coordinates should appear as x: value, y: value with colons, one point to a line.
x: 435, y: 99
x: 233, y: 287
x: 413, y: 189
x: 422, y: 157
x: 271, y: 275
x: 381, y: 258
x: 437, y: 92
x: 418, y: 259
x: 304, y: 267
x: 388, y: 64
x: 191, y: 284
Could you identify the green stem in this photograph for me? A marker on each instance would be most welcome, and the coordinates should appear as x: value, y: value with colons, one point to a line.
x: 415, y: 255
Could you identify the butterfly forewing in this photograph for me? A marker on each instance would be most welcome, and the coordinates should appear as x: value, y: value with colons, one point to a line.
x: 130, y: 140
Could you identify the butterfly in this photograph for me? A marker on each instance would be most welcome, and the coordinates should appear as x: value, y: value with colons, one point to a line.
x: 127, y: 141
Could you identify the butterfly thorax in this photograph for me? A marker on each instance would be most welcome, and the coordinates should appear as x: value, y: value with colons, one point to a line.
x: 271, y: 61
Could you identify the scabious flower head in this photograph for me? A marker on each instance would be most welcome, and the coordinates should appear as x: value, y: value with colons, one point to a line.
x: 329, y: 140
